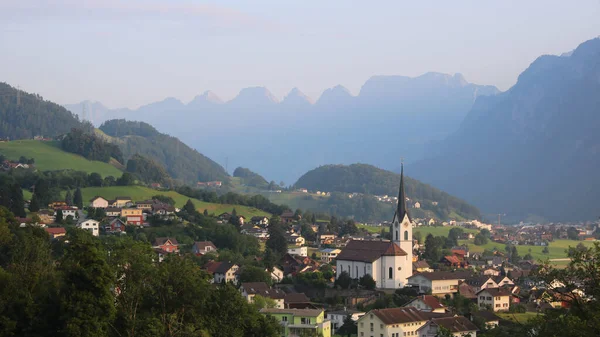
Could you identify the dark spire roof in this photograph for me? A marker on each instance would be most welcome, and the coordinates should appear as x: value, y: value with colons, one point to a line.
x: 401, y: 210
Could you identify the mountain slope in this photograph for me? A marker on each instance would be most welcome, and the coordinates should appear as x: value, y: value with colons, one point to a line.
x: 250, y: 178
x: 533, y: 150
x: 368, y: 179
x: 24, y: 116
x: 392, y: 116
x: 180, y: 161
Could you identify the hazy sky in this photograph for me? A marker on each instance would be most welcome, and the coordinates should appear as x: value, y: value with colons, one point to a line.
x: 132, y: 52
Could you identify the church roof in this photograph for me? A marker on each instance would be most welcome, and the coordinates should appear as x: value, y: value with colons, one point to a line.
x: 369, y: 250
x: 401, y: 209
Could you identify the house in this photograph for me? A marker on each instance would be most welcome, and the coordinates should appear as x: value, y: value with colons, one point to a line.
x: 276, y: 274
x: 297, y: 301
x: 251, y: 289
x: 417, y: 205
x: 226, y: 272
x: 295, y: 240
x: 299, y: 322
x: 498, y: 299
x: 56, y: 204
x: 113, y: 211
x: 155, y: 186
x: 133, y: 216
x: 287, y: 217
x: 120, y: 202
x: 169, y: 245
x: 489, y: 318
x: 327, y: 239
x: 115, y: 226
x: 467, y: 291
x: 439, y: 283
x: 224, y: 216
x: 260, y: 220
x: 393, y: 322
x: 329, y: 254
x: 260, y: 233
x: 145, y: 205
x: 338, y: 317
x: 454, y: 261
x: 91, y: 225
x: 163, y: 209
x: 300, y: 251
x: 491, y: 272
x: 68, y: 211
x: 203, y: 247
x: 481, y: 282
x: 427, y: 303
x: 421, y: 266
x: 458, y: 326
x: 46, y: 216
x: 503, y: 281
x: 55, y: 232
x: 98, y: 202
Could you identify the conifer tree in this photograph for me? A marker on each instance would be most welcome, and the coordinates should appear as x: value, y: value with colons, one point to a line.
x: 78, y: 198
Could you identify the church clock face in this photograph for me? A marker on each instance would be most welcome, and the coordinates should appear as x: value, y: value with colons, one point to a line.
x: 406, y: 224
x: 396, y: 225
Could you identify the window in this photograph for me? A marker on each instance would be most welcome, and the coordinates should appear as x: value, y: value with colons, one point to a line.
x: 397, y: 236
x: 390, y: 272
x: 371, y: 326
x: 381, y: 326
x: 362, y: 334
x: 405, y: 235
x: 284, y: 318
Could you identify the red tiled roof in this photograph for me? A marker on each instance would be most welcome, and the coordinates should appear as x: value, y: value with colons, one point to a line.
x: 431, y: 301
x: 459, y: 251
x: 55, y: 230
x: 403, y: 315
x: 496, y: 291
x: 452, y: 259
x: 212, y: 266
x: 455, y: 324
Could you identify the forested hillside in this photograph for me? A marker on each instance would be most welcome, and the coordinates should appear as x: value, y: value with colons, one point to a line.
x: 147, y: 170
x: 24, y: 116
x: 368, y: 179
x: 250, y: 178
x: 181, y: 162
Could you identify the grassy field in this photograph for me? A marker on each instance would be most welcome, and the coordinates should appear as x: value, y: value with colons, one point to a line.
x: 439, y: 231
x: 372, y: 229
x: 557, y: 249
x: 138, y: 193
x: 48, y: 157
x: 519, y: 318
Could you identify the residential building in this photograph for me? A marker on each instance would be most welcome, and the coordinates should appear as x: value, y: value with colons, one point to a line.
x: 90, y: 225
x: 329, y: 254
x: 276, y: 274
x: 169, y: 245
x: 327, y: 239
x: 55, y: 232
x: 439, y: 283
x: 98, y: 202
x: 498, y: 299
x: 458, y: 326
x: 295, y: 240
x: 392, y: 322
x: 490, y: 319
x: 226, y: 272
x: 203, y: 247
x: 297, y: 322
x: 120, y: 202
x: 300, y: 251
x: 503, y: 281
x: 481, y: 282
x: 144, y: 205
x: 338, y: 317
x: 133, y: 216
x: 260, y: 220
x: 115, y: 226
x: 113, y: 211
x: 251, y: 289
x: 421, y: 266
x: 68, y: 211
x: 297, y: 301
x: 427, y: 303
x: 287, y: 217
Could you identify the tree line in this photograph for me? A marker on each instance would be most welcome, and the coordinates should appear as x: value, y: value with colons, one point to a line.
x: 90, y: 146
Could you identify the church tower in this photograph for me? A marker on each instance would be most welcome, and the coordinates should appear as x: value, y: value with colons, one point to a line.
x: 401, y: 227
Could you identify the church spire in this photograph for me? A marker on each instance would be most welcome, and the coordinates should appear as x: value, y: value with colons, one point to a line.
x: 401, y: 210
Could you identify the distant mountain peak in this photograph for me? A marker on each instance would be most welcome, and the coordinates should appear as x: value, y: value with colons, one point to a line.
x: 296, y: 96
x: 331, y: 95
x: 255, y: 95
x: 207, y: 96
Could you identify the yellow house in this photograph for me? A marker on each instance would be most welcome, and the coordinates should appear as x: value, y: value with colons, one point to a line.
x: 497, y: 298
x: 120, y: 202
x: 296, y: 322
x: 125, y: 212
x: 392, y: 322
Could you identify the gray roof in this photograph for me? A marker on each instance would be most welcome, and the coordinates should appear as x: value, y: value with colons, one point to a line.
x: 401, y: 209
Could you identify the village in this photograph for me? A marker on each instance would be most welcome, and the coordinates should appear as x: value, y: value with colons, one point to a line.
x: 366, y: 283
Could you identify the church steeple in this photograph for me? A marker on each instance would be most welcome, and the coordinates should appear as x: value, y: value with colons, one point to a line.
x: 401, y: 209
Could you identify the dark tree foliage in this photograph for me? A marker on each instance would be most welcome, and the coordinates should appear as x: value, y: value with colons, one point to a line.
x: 433, y: 247
x: 147, y: 170
x: 182, y: 162
x: 404, y: 295
x: 126, y: 179
x: 367, y: 179
x: 344, y: 280
x: 95, y: 179
x: 165, y: 199
x: 34, y: 204
x: 31, y: 116
x: 69, y: 198
x: 480, y: 239
x: 250, y: 178
x: 78, y: 198
x: 11, y: 195
x: 189, y: 207
x: 349, y: 327
x: 90, y: 146
x: 58, y: 217
x: 367, y: 282
x: 255, y: 274
x: 276, y: 242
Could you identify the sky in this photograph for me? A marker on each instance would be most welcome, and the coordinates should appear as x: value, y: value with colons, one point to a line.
x: 127, y: 53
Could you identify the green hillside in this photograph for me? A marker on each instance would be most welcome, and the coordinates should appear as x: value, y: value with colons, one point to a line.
x: 138, y: 193
x: 49, y: 157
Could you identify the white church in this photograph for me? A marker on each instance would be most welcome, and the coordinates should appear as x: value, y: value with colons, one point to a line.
x: 388, y: 262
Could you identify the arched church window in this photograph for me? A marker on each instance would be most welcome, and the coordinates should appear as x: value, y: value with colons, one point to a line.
x: 405, y: 235
x: 397, y: 236
x: 390, y: 272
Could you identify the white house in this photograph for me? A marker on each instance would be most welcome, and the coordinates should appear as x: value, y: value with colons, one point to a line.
x: 98, y: 202
x: 91, y: 225
x: 427, y: 303
x: 251, y: 289
x: 276, y: 274
x: 69, y: 211
x: 498, y: 299
x: 438, y: 282
x: 337, y: 317
x: 329, y: 254
x: 301, y: 251
x: 458, y: 326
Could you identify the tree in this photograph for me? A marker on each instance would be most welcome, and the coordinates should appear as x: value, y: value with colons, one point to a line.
x: 205, y: 213
x: 349, y: 327
x: 189, y: 207
x: 78, y: 198
x: 485, y: 232
x: 254, y: 274
x: 277, y: 241
x: 433, y: 248
x: 95, y: 179
x: 572, y: 233
x: 109, y: 181
x: 34, y: 205
x: 545, y: 250
x: 269, y: 259
x: 261, y: 302
x: 404, y: 295
x: 455, y: 234
x: 69, y: 198
x: 58, y: 218
x: 480, y: 239
x: 418, y: 236
x: 367, y: 282
x: 313, y: 219
x: 17, y: 203
x: 344, y: 280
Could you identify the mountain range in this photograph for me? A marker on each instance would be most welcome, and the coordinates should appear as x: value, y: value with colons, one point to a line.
x: 533, y: 150
x: 392, y: 116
